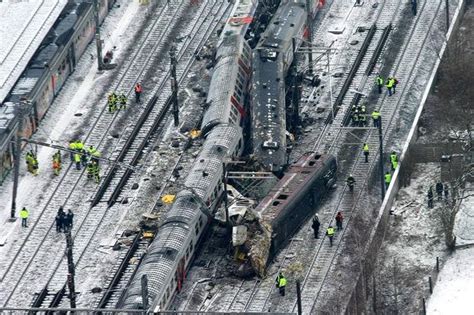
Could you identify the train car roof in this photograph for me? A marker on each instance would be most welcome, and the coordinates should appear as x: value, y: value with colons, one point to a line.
x: 280, y: 31
x: 268, y: 111
x: 297, y: 180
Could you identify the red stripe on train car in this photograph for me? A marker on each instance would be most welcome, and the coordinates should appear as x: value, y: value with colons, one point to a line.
x: 241, y: 20
x: 237, y: 105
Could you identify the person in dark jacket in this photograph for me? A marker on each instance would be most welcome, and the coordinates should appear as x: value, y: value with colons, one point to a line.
x: 69, y: 218
x: 430, y: 198
x: 59, y: 223
x: 316, y: 224
x: 439, y: 190
x: 339, y: 219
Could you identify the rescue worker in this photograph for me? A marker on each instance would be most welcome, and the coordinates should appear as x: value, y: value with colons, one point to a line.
x: 394, y: 160
x: 387, y: 179
x: 389, y: 85
x: 316, y: 224
x: 79, y: 146
x: 32, y: 163
x: 350, y: 182
x: 72, y: 147
x: 379, y: 82
x: 281, y: 283
x: 439, y: 190
x: 93, y: 153
x: 362, y: 116
x: 430, y: 197
x: 339, y: 219
x: 68, y: 221
x: 394, y: 84
x: 112, y: 102
x: 93, y: 170
x: 138, y: 92
x: 376, y: 118
x: 330, y: 233
x: 365, y: 148
x: 77, y: 160
x: 57, y: 162
x: 90, y: 169
x: 122, y: 99
x: 355, y: 118
x: 84, y: 159
x: 24, y: 217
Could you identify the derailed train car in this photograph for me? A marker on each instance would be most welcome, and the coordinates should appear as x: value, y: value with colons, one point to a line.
x: 170, y: 254
x: 287, y: 206
x: 273, y: 57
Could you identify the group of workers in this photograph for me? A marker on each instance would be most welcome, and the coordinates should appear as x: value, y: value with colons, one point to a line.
x: 330, y: 230
x: 440, y: 189
x: 350, y: 181
x: 390, y: 83
x: 64, y: 220
x: 116, y: 102
x: 88, y: 158
x: 359, y: 115
x: 81, y: 156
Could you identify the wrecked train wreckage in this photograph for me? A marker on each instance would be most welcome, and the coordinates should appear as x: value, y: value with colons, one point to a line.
x: 259, y: 234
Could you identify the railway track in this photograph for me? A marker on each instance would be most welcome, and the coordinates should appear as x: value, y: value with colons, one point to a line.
x: 205, y: 29
x: 261, y: 299
x: 348, y: 202
x: 39, y: 237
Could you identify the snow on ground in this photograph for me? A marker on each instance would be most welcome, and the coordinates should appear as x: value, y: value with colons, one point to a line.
x: 455, y: 287
x: 60, y: 124
x: 23, y: 26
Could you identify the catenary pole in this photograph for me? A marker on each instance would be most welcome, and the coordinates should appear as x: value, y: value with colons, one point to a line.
x: 22, y: 106
x: 382, y: 181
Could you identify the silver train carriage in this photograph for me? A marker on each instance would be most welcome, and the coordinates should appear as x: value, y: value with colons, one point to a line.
x: 169, y: 255
x: 229, y: 83
x: 231, y: 76
x: 287, y: 27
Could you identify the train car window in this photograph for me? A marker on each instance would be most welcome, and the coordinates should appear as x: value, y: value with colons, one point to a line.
x: 240, y: 78
x: 237, y: 97
x: 239, y: 85
x: 282, y: 197
x: 197, y: 228
x: 275, y: 203
x: 200, y: 222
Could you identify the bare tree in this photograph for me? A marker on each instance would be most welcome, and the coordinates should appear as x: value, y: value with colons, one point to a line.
x: 447, y: 213
x: 457, y: 75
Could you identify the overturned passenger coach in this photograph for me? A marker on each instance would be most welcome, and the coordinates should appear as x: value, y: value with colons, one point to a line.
x: 293, y: 200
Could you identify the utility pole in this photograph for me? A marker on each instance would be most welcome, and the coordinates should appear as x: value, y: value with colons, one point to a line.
x: 98, y: 41
x: 382, y: 176
x: 22, y: 107
x: 71, y: 270
x: 309, y: 43
x: 174, y: 85
x: 447, y: 16
x: 298, y: 297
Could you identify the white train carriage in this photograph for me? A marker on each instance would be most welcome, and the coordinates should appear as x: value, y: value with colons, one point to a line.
x: 229, y: 84
x: 169, y: 255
